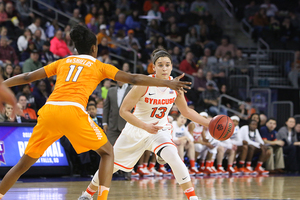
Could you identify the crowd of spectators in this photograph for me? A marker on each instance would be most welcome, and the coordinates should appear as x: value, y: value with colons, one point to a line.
x: 185, y: 28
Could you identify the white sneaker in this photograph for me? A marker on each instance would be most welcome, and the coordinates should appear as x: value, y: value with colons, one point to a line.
x: 147, y: 171
x: 156, y: 173
x: 194, y: 198
x: 85, y: 197
x: 251, y: 172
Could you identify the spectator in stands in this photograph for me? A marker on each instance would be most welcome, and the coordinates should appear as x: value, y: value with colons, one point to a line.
x: 75, y: 18
x: 46, y: 56
x: 199, y: 7
x: 100, y: 104
x: 37, y: 25
x: 7, y: 53
x: 188, y: 65
x: 26, y: 54
x: 224, y: 48
x: 294, y: 74
x: 225, y: 101
x: 104, y: 89
x: 297, y: 130
x: 199, y: 82
x: 70, y: 43
x: 154, y: 13
x: 92, y: 14
x: 8, y: 71
x: 130, y: 39
x: 241, y: 63
x: 93, y: 26
x: 263, y: 119
x: 3, y: 14
x: 58, y: 46
x: 92, y: 110
x: 126, y: 67
x: 288, y: 31
x: 176, y: 57
x: 191, y: 37
x: 51, y: 30
x: 171, y: 12
x: 288, y: 135
x: 271, y: 9
x: 120, y: 24
x: 209, y: 77
x: 260, y: 22
x: 26, y: 91
x: 38, y: 40
x: 40, y: 94
x: 133, y: 21
x: 28, y: 113
x: 104, y: 57
x: 160, y: 42
x: 183, y: 9
x: 211, y: 98
x: 26, y: 15
x: 268, y: 134
x: 250, y: 10
x: 17, y: 70
x: 32, y: 63
x: 123, y: 5
x: 102, y: 33
x: 211, y: 60
x: 103, y: 46
x: 108, y: 9
x: 24, y: 39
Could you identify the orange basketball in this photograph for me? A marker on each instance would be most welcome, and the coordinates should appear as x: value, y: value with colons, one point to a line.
x: 221, y: 127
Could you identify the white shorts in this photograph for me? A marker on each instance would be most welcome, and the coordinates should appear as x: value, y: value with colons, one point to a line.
x: 132, y: 143
x: 201, y: 148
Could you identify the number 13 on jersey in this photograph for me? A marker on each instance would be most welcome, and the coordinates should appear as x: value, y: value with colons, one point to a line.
x: 161, y: 112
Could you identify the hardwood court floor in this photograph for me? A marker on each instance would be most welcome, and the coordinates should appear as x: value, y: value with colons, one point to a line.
x: 278, y: 187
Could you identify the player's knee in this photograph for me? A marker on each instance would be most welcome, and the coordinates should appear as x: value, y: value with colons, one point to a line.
x: 220, y: 149
x: 245, y: 147
x: 106, y: 150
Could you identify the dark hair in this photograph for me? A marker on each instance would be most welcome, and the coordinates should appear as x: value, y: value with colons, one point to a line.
x: 271, y: 118
x: 83, y: 39
x: 250, y: 121
x: 157, y: 53
x: 89, y: 105
x: 21, y: 95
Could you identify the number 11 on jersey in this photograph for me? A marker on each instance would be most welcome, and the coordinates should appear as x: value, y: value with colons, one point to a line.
x: 72, y: 68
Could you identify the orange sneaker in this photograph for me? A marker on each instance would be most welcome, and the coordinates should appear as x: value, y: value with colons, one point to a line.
x: 144, y: 172
x: 134, y: 174
x: 244, y: 171
x: 222, y: 172
x: 196, y: 171
x: 251, y: 172
x: 164, y: 171
x: 261, y: 171
x: 233, y: 172
x: 210, y: 172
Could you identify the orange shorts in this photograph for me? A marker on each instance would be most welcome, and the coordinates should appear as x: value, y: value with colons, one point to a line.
x: 55, y: 121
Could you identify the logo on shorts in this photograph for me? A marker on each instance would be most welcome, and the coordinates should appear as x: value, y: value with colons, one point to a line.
x: 2, y: 152
x: 220, y: 127
x: 184, y: 178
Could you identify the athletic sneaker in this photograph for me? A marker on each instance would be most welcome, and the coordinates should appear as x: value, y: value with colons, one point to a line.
x: 261, y: 171
x: 193, y: 198
x: 233, y: 172
x: 221, y: 171
x: 134, y: 174
x: 244, y: 171
x: 210, y: 172
x: 251, y: 172
x: 216, y: 171
x: 164, y: 171
x: 82, y: 197
x: 144, y: 172
x: 197, y: 173
x: 156, y: 173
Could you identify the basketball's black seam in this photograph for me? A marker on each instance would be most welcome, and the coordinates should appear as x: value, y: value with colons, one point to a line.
x: 215, y: 126
x: 225, y: 128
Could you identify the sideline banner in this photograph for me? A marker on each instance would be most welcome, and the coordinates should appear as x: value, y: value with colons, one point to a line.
x: 13, y: 141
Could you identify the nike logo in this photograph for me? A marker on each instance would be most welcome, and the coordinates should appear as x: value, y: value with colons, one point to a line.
x: 184, y: 178
x: 151, y: 93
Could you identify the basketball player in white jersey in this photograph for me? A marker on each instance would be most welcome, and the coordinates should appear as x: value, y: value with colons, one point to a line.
x: 147, y: 128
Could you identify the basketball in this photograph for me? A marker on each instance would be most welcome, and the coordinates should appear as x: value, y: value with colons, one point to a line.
x: 221, y: 127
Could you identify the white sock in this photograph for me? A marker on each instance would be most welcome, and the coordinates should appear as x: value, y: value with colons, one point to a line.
x: 85, y: 194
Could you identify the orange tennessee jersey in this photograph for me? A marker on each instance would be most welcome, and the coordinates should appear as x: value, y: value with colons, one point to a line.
x: 77, y: 77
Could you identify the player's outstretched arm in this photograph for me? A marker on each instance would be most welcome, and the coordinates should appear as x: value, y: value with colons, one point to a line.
x: 139, y: 79
x: 26, y: 78
x: 188, y: 112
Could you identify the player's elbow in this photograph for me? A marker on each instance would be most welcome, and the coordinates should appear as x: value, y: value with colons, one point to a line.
x: 122, y: 112
x: 135, y: 79
x: 26, y: 76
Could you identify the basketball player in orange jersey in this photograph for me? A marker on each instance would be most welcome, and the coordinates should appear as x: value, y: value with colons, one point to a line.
x: 148, y: 127
x: 64, y: 112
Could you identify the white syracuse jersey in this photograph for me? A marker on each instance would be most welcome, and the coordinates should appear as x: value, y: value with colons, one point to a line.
x: 197, y: 131
x: 155, y: 105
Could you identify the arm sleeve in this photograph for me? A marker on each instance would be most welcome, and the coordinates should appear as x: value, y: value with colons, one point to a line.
x: 51, y: 69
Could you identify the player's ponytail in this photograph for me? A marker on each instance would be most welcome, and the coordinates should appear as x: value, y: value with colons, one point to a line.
x: 83, y: 39
x: 157, y: 53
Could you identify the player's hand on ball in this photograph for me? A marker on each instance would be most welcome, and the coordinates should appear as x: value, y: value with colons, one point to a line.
x: 152, y: 128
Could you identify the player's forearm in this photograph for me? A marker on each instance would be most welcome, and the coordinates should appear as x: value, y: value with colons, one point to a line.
x: 130, y: 118
x: 139, y: 79
x: 6, y: 95
x: 18, y: 80
x: 195, y: 117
